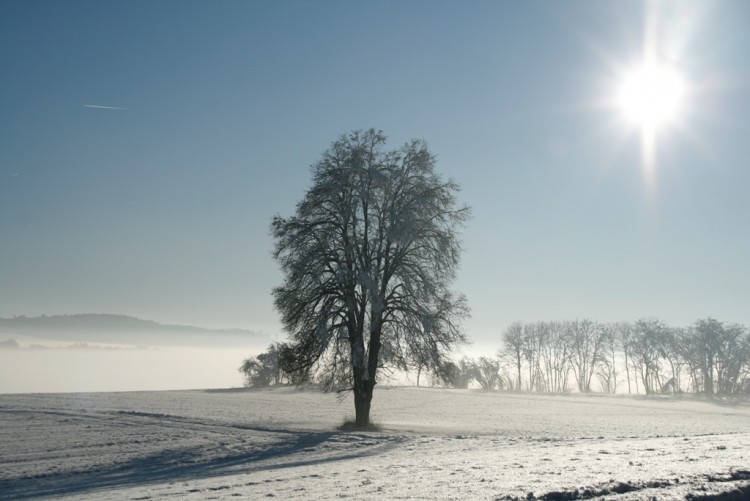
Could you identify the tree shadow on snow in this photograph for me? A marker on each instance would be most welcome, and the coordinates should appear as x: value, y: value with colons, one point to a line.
x: 179, y: 465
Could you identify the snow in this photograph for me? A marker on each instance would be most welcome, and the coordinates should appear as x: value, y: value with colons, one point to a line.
x: 434, y: 444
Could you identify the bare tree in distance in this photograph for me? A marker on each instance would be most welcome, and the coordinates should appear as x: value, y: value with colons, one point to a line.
x: 556, y: 353
x: 646, y: 351
x: 622, y: 332
x: 367, y: 261
x: 734, y: 362
x: 265, y: 369
x: 486, y: 372
x: 714, y: 355
x: 718, y: 352
x: 672, y: 342
x: 456, y: 374
x: 607, y: 367
x: 421, y: 361
x: 706, y: 334
x: 513, y: 350
x: 587, y: 350
x: 531, y: 340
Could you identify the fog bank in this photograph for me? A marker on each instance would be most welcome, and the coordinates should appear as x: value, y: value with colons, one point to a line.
x: 120, y: 369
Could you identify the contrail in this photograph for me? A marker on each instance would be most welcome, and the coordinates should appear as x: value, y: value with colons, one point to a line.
x: 103, y: 107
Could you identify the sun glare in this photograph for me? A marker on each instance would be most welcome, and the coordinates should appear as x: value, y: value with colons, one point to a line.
x: 652, y: 95
x: 652, y: 98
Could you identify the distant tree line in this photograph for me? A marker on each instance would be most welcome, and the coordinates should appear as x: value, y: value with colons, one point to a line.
x: 645, y: 356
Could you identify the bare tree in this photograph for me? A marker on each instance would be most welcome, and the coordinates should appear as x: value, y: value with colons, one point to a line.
x: 588, y: 346
x: 513, y: 349
x: 672, y: 341
x: 622, y: 332
x: 554, y: 357
x: 718, y: 353
x: 367, y: 261
x: 486, y: 372
x: 706, y: 336
x: 715, y: 356
x: 646, y: 351
x: 735, y: 358
x: 539, y: 341
x: 607, y: 369
x: 255, y: 373
x: 265, y: 369
x: 531, y: 354
x: 455, y: 375
x: 421, y: 361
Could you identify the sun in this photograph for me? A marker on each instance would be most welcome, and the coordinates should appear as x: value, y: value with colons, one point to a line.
x: 652, y: 95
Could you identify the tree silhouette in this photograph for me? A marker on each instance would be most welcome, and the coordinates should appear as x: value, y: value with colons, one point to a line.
x: 367, y: 261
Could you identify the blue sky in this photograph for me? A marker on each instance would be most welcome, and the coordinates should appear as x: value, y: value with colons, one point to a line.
x: 161, y: 209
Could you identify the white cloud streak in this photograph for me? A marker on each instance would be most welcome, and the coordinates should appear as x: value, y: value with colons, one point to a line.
x: 103, y: 107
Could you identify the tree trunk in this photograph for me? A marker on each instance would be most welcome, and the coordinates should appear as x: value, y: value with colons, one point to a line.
x: 362, y: 400
x: 635, y: 379
x: 708, y: 382
x: 645, y: 377
x: 614, y: 372
x: 359, y: 373
x: 627, y: 370
x: 518, y: 383
x: 531, y: 377
x: 364, y: 375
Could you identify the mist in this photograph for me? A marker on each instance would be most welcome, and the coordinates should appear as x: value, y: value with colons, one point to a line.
x: 92, y: 369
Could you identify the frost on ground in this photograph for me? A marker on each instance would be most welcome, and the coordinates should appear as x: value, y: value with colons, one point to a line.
x: 434, y: 444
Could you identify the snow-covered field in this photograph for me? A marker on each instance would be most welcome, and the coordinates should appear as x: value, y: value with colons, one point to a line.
x: 434, y: 444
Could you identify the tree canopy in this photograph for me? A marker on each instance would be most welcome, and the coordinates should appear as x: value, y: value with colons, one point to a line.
x: 368, y: 259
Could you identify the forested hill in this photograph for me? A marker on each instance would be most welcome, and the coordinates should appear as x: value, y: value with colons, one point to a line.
x: 107, y: 328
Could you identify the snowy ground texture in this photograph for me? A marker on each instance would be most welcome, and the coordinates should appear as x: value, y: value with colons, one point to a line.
x: 434, y: 444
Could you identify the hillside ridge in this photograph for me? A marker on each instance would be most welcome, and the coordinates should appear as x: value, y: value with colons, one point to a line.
x: 99, y: 321
x: 106, y: 327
